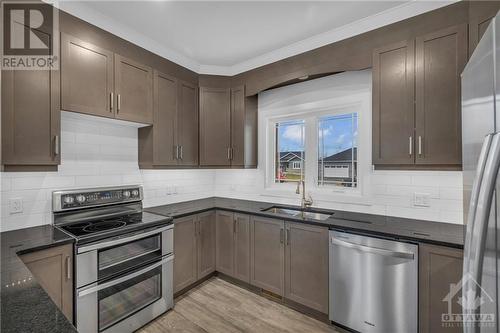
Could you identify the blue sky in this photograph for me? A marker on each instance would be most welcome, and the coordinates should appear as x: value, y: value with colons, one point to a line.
x: 337, y: 133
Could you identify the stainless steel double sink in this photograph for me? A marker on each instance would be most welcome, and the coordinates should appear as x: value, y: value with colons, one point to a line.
x: 297, y: 213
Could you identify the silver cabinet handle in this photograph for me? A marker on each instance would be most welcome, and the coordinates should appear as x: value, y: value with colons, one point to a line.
x: 287, y: 236
x: 419, y: 145
x: 410, y: 145
x: 68, y: 268
x: 374, y: 250
x: 181, y: 152
x: 122, y: 240
x: 228, y: 153
x: 111, y: 101
x: 94, y: 289
x: 118, y: 102
x: 235, y: 225
x: 281, y: 235
x: 176, y: 152
x: 56, y: 145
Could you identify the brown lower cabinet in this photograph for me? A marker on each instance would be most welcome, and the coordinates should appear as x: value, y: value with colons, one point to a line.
x: 267, y: 254
x: 306, y: 265
x: 53, y: 269
x: 438, y: 268
x: 290, y: 260
x: 205, y: 243
x: 233, y: 245
x: 194, y: 249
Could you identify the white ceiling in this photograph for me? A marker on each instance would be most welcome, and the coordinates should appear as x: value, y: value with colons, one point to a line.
x: 229, y: 37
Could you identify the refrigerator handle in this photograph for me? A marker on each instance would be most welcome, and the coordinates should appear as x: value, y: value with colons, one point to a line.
x: 482, y: 214
x: 476, y: 186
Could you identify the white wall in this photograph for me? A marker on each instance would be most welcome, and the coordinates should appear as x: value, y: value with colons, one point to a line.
x: 95, y: 152
x: 382, y: 192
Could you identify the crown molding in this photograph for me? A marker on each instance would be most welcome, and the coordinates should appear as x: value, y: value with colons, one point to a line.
x: 392, y: 15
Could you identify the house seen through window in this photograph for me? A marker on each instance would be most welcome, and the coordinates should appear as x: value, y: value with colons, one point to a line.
x: 337, y: 150
x: 290, y: 151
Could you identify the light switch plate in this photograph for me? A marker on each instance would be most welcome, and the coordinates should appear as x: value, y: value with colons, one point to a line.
x: 15, y: 205
x: 422, y: 200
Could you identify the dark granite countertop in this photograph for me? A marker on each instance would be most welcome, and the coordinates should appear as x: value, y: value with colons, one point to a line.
x: 25, y: 306
x: 386, y: 226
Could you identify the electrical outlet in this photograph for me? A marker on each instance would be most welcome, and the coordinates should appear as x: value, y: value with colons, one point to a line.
x: 15, y: 205
x: 422, y: 200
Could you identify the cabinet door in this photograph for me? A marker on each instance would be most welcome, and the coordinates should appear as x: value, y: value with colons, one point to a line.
x: 206, y: 244
x: 393, y: 111
x: 53, y: 269
x: 185, y: 266
x: 306, y: 265
x: 238, y: 126
x: 215, y: 127
x: 242, y: 247
x: 439, y: 267
x: 187, y: 124
x: 30, y: 119
x: 440, y: 58
x: 165, y: 119
x: 134, y: 90
x: 267, y: 254
x: 86, y: 78
x: 225, y: 243
x: 481, y: 13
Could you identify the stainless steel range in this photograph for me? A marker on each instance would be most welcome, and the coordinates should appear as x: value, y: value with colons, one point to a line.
x: 124, y: 257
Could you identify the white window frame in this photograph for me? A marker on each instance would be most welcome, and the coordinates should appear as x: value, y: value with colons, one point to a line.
x: 311, y: 116
x: 296, y: 165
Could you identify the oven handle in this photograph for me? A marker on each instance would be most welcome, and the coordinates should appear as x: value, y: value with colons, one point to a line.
x: 122, y: 240
x: 105, y: 285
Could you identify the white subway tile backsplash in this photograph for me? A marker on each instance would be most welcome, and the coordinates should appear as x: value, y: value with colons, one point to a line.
x: 101, y: 154
x: 95, y: 153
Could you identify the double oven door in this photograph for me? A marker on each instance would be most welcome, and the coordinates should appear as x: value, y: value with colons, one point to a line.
x: 124, y: 282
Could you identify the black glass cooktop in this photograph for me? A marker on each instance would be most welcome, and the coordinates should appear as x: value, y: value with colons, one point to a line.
x: 94, y: 229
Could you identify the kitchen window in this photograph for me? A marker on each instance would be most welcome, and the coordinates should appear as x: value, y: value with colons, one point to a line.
x: 289, y: 151
x: 337, y: 150
x: 320, y: 148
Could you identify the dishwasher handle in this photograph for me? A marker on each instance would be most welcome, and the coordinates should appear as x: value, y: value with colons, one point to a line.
x: 374, y: 250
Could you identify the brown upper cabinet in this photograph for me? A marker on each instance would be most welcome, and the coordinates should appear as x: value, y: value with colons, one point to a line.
x: 228, y: 128
x: 480, y: 15
x: 440, y: 58
x: 30, y: 119
x: 101, y: 83
x: 172, y: 141
x: 134, y: 90
x: 416, y: 101
x: 393, y: 115
x: 86, y: 78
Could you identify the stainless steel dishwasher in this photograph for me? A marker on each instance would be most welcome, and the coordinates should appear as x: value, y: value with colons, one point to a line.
x: 373, y: 284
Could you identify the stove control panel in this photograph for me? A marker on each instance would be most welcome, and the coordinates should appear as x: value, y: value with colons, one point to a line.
x: 65, y: 200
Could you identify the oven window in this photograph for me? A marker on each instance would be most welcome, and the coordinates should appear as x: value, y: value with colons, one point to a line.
x: 126, y: 256
x: 122, y: 300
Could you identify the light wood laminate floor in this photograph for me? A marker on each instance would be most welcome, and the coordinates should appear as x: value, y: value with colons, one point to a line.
x: 217, y: 306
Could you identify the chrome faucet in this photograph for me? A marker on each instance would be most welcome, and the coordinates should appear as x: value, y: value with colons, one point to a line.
x: 304, y: 203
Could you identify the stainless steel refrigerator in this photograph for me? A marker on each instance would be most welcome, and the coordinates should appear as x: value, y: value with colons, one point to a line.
x: 481, y: 161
